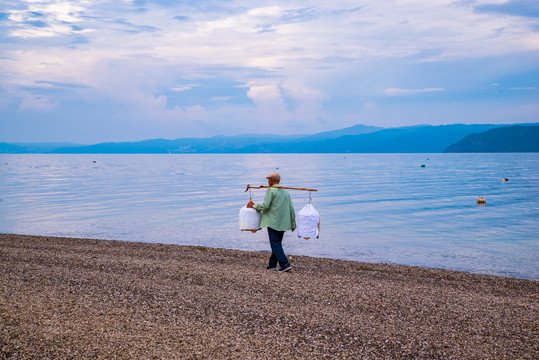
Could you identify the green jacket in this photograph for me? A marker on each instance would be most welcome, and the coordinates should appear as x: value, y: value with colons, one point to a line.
x: 277, y: 210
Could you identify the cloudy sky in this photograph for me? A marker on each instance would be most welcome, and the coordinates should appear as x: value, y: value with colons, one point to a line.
x: 89, y: 71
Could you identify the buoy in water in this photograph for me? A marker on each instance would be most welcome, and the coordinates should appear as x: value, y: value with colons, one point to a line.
x: 505, y: 179
x: 422, y: 165
x: 481, y: 200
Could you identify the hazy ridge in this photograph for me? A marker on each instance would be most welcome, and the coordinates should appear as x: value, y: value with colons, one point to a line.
x: 355, y: 139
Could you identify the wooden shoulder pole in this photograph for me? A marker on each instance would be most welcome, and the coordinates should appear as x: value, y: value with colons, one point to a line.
x: 282, y: 187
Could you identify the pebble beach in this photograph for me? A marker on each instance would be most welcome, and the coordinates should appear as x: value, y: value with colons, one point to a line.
x: 67, y: 298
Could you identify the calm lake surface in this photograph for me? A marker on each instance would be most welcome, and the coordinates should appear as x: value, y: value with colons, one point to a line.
x: 374, y: 207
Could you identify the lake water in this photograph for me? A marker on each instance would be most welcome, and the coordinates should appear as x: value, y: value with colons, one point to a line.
x: 374, y: 207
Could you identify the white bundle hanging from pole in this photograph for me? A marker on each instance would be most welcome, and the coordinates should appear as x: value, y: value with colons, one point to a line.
x: 249, y: 218
x: 308, y: 221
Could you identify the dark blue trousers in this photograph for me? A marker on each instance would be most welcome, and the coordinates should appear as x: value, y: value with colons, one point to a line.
x: 277, y: 252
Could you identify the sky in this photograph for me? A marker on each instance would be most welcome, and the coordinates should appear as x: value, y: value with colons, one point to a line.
x: 88, y: 71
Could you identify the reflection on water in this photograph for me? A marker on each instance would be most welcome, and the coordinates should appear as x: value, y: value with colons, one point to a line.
x: 374, y: 207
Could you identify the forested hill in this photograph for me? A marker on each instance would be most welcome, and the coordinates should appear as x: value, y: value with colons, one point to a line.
x: 504, y: 139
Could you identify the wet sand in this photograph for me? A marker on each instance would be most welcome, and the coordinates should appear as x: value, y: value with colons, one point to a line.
x: 80, y: 298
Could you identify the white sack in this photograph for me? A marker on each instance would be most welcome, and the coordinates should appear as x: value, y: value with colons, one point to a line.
x: 249, y: 219
x: 307, y: 221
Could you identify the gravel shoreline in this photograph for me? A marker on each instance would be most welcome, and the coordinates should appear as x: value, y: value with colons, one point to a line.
x: 66, y: 298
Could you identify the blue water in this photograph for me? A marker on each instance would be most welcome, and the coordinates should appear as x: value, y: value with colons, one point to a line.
x: 374, y: 207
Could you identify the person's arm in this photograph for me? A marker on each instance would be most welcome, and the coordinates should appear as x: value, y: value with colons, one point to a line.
x: 292, y: 216
x: 267, y: 201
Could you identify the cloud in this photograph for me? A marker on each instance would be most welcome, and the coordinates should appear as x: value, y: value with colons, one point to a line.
x: 531, y: 110
x: 292, y: 103
x: 130, y: 27
x: 402, y: 92
x: 153, y: 116
x: 524, y: 113
x: 264, y: 93
x: 301, y: 67
x: 195, y: 112
x: 309, y: 111
x: 44, y: 19
x: 270, y: 106
x: 61, y: 84
x: 264, y: 28
x: 181, y: 88
x: 302, y: 92
x: 37, y: 103
x: 299, y: 15
x: 197, y: 76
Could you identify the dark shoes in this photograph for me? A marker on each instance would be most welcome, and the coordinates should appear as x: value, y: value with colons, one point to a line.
x: 285, y: 268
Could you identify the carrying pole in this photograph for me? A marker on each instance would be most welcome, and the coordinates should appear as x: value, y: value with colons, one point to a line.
x: 282, y: 187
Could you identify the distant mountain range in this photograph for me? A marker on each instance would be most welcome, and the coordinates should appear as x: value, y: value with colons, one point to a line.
x: 355, y: 139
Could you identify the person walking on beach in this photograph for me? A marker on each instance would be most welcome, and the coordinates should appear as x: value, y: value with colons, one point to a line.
x: 278, y: 216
